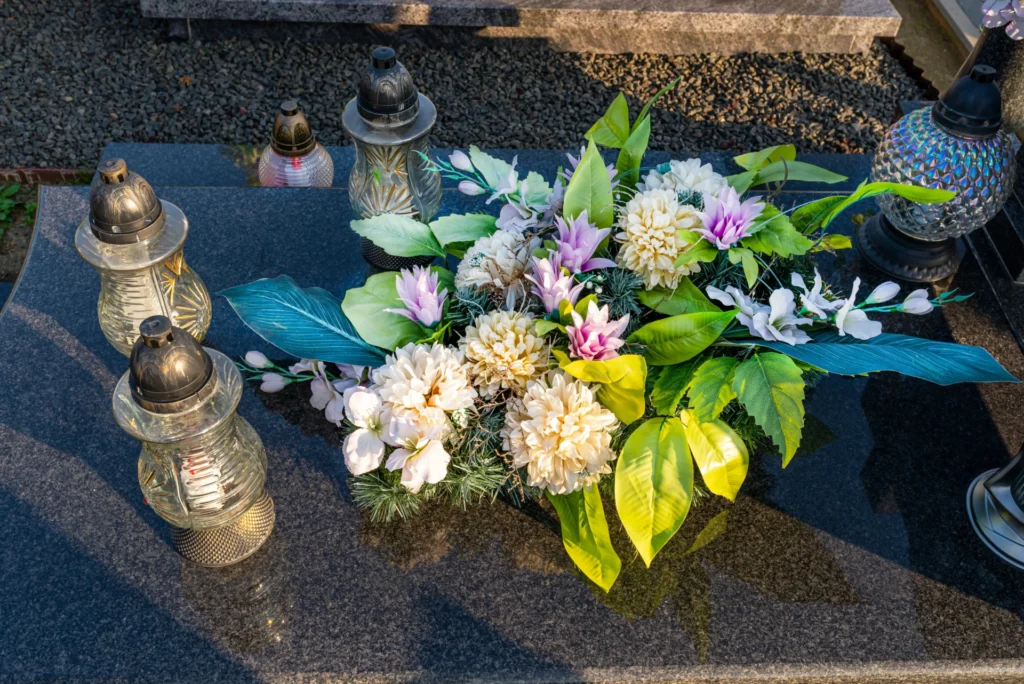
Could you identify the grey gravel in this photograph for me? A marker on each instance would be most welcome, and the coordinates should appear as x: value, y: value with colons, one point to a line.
x: 75, y: 75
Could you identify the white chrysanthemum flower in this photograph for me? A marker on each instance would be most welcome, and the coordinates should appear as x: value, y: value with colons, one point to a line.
x: 684, y: 177
x: 503, y: 352
x: 423, y: 384
x: 498, y: 262
x: 560, y: 432
x: 650, y: 224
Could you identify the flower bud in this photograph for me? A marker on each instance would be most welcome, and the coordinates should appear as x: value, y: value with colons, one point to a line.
x: 460, y: 161
x: 917, y: 303
x: 272, y: 382
x: 470, y: 188
x: 883, y: 293
x: 257, y: 360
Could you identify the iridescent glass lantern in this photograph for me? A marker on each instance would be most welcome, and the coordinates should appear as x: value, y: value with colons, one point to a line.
x: 956, y: 145
x: 294, y: 158
x: 202, y: 467
x: 135, y: 241
x: 390, y: 122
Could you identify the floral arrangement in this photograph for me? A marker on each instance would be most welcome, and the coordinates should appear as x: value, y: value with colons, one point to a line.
x: 614, y: 329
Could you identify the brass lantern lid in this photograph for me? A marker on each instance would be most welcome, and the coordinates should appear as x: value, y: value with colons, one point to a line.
x: 389, y: 109
x: 123, y: 209
x: 292, y: 135
x: 169, y: 372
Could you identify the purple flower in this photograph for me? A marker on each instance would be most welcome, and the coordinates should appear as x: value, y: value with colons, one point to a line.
x: 725, y: 220
x: 418, y: 291
x: 596, y: 338
x: 575, y: 161
x: 551, y: 284
x: 577, y: 241
x: 996, y: 13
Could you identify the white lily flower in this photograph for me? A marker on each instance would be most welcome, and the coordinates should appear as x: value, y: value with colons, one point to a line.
x: 363, y: 448
x: 428, y: 462
x: 460, y: 160
x: 303, y: 366
x: 917, y: 303
x: 883, y: 293
x: 855, y: 322
x: 812, y: 299
x: 780, y: 324
x: 272, y: 382
x: 733, y: 297
x: 257, y: 359
x: 470, y: 188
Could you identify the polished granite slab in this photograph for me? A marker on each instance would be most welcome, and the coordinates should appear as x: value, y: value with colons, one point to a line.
x: 857, y: 563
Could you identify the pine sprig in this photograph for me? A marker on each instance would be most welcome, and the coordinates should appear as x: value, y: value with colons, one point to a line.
x: 466, y: 304
x: 618, y: 291
x: 383, y: 494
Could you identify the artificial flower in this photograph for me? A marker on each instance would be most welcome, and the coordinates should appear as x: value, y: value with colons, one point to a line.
x: 326, y: 395
x: 421, y: 460
x: 780, y: 322
x: 363, y: 448
x: 685, y: 177
x: 418, y: 291
x: 577, y: 241
x: 508, y: 183
x: 812, y: 300
x: 516, y: 217
x: 883, y: 293
x: 855, y: 322
x: 552, y: 284
x: 257, y: 359
x: 467, y: 187
x: 272, y: 382
x: 725, y: 220
x: 651, y: 243
x: 460, y: 160
x: 1009, y: 13
x: 553, y: 203
x: 575, y: 161
x: 733, y: 297
x: 917, y: 303
x: 498, y: 262
x: 560, y: 433
x: 595, y: 338
x: 503, y: 352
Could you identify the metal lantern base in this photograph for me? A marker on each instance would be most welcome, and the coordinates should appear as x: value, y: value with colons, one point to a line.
x: 994, y: 509
x: 229, y: 543
x: 905, y: 257
x: 382, y: 261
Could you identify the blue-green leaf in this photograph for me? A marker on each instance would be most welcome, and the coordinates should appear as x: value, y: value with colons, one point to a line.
x: 306, y: 323
x: 590, y: 190
x: 585, y: 535
x: 943, y: 363
x: 398, y: 235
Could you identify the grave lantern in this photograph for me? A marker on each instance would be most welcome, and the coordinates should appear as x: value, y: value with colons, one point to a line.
x: 995, y: 507
x: 202, y: 466
x: 135, y: 241
x: 956, y: 145
x: 294, y: 158
x: 390, y: 122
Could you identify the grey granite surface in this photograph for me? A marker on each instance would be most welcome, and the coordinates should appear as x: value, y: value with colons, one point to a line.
x: 856, y: 563
x: 591, y: 25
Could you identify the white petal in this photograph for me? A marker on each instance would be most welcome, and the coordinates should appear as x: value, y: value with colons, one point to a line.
x: 362, y: 406
x: 363, y: 451
x: 257, y: 359
x: 335, y: 411
x: 797, y: 280
x: 917, y: 306
x: 858, y: 325
x: 322, y: 394
x: 460, y: 160
x: 429, y: 464
x: 883, y: 292
x: 272, y: 382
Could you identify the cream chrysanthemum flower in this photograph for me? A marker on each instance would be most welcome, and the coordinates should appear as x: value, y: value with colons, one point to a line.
x: 424, y: 383
x: 684, y: 177
x: 498, y: 263
x: 650, y: 239
x: 560, y: 433
x: 503, y: 352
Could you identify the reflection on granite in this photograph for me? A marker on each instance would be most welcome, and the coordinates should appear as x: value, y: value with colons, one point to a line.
x: 857, y: 561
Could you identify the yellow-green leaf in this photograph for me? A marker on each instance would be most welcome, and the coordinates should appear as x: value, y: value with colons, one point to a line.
x: 832, y: 242
x: 752, y: 161
x: 585, y: 535
x: 590, y: 190
x: 769, y: 386
x: 621, y: 382
x: 720, y: 454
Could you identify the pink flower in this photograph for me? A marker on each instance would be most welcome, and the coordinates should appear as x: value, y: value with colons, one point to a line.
x: 725, y: 220
x: 595, y: 339
x: 551, y: 284
x: 418, y: 291
x: 577, y: 241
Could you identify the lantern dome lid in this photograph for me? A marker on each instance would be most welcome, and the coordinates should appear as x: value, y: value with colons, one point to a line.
x: 293, y: 136
x: 387, y: 94
x: 169, y: 371
x: 972, y: 106
x: 123, y: 209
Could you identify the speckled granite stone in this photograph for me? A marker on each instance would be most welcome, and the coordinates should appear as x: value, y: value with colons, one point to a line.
x: 855, y: 564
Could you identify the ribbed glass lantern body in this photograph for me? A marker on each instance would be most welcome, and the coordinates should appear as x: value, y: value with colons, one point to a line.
x: 917, y: 151
x: 313, y: 170
x: 394, y: 179
x: 145, y: 279
x: 202, y: 468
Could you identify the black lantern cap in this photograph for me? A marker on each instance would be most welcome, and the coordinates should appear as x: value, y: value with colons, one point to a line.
x: 168, y: 371
x: 387, y: 94
x: 292, y: 135
x: 123, y: 208
x: 972, y: 106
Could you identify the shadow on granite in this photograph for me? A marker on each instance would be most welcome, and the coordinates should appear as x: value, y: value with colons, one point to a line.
x: 857, y: 561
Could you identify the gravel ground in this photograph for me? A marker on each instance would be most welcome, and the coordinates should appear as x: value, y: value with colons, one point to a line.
x: 76, y: 74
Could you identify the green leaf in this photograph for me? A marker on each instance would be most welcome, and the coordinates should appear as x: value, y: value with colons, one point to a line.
x: 741, y: 182
x: 537, y: 189
x: 612, y: 129
x: 912, y: 193
x: 456, y: 228
x: 711, y: 532
x: 10, y: 190
x: 750, y: 266
x: 670, y: 386
x: 492, y: 170
x: 398, y: 235
x: 769, y: 386
x: 365, y: 306
x: 678, y: 338
x: 720, y: 454
x: 807, y: 218
x: 585, y: 535
x: 776, y: 236
x: 686, y: 298
x: 796, y: 171
x: 702, y: 251
x: 654, y: 484
x: 710, y: 389
x: 650, y: 103
x: 621, y: 383
x: 590, y: 190
x: 752, y: 161
x: 584, y: 304
x: 832, y: 242
x: 631, y: 156
x: 543, y: 327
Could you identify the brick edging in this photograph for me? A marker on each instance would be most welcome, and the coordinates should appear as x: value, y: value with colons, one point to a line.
x: 45, y: 176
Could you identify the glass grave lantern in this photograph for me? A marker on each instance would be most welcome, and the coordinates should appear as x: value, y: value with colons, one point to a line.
x: 390, y: 122
x: 956, y: 145
x: 135, y: 241
x: 202, y: 466
x: 294, y: 158
x: 995, y: 507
